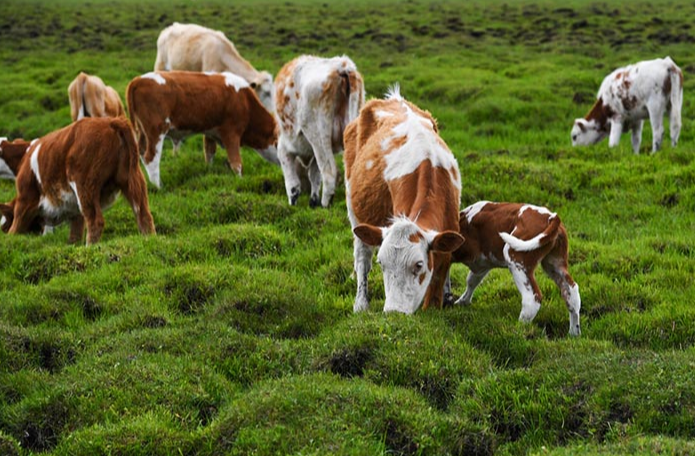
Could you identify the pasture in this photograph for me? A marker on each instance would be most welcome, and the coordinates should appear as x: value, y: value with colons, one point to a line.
x: 232, y: 331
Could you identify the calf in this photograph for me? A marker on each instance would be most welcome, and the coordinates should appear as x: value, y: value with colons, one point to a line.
x: 403, y: 192
x: 76, y: 172
x: 11, y: 155
x: 517, y: 237
x: 90, y: 97
x: 222, y: 106
x: 191, y: 47
x: 628, y: 96
x: 316, y: 98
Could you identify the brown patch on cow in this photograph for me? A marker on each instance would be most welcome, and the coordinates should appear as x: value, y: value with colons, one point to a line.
x: 629, y: 103
x: 600, y: 113
x: 296, y: 95
x: 619, y: 75
x: 422, y: 277
x: 415, y: 238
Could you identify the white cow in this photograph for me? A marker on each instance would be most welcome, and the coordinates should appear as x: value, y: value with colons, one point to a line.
x: 191, y: 47
x: 628, y: 96
x: 316, y: 98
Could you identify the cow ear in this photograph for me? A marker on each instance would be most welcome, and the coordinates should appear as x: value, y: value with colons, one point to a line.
x: 580, y: 124
x: 370, y: 235
x: 7, y: 211
x: 446, y: 242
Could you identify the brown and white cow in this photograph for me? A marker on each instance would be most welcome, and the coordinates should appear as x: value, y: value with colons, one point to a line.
x: 74, y: 174
x: 11, y: 155
x: 90, y: 97
x: 222, y: 106
x: 191, y: 47
x: 629, y: 95
x: 517, y: 237
x: 316, y: 98
x: 403, y: 193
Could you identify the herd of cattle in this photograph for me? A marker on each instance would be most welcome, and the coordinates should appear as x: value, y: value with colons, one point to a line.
x: 402, y: 181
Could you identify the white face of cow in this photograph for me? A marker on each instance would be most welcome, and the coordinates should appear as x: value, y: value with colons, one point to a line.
x: 265, y: 89
x: 586, y: 133
x: 404, y: 257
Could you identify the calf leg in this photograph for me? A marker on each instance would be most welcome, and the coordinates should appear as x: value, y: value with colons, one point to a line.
x: 472, y: 282
x: 656, y: 118
x: 675, y: 124
x: 637, y: 136
x: 616, y: 132
x: 530, y: 293
x: 323, y: 152
x: 315, y: 182
x: 232, y: 142
x: 76, y: 230
x: 557, y: 270
x: 210, y: 147
x: 293, y: 184
x: 363, y: 264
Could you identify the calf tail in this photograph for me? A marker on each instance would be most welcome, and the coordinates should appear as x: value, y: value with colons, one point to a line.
x: 349, y: 100
x: 547, y: 236
x: 76, y: 97
x: 135, y: 119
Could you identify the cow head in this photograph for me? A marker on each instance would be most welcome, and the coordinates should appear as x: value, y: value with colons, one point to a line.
x: 263, y: 85
x: 405, y: 256
x: 587, y: 132
x: 11, y: 155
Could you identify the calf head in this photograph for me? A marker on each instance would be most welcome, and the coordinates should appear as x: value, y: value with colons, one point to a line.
x: 265, y: 89
x: 587, y: 132
x: 406, y: 259
x: 11, y: 154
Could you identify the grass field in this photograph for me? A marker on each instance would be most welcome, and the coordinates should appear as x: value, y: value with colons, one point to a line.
x: 232, y: 332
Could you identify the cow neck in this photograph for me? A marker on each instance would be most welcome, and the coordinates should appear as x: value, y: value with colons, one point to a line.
x: 422, y: 200
x: 600, y: 114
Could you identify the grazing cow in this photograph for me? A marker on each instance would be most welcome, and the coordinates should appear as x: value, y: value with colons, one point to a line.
x: 90, y: 97
x: 628, y: 96
x: 76, y: 172
x: 316, y: 98
x: 403, y: 193
x: 190, y: 47
x: 517, y: 237
x: 11, y: 154
x: 222, y: 106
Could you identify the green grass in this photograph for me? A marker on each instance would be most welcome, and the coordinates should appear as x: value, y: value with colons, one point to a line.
x: 232, y: 332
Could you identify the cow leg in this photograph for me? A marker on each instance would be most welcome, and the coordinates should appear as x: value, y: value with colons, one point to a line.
x: 363, y: 264
x: 315, y: 182
x: 472, y: 282
x: 134, y: 190
x: 293, y: 184
x: 76, y: 230
x: 323, y: 152
x: 232, y: 142
x: 656, y: 118
x: 91, y: 210
x: 616, y: 132
x: 530, y: 293
x: 637, y: 136
x: 556, y: 268
x: 24, y: 212
x: 675, y: 123
x: 210, y: 146
x: 435, y: 291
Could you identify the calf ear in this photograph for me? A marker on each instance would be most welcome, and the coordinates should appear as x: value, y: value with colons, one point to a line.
x: 446, y: 241
x: 370, y: 235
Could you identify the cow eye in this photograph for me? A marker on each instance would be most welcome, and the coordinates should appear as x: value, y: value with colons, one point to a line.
x: 417, y: 267
x: 574, y: 137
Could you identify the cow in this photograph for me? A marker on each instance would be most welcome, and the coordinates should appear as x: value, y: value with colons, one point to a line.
x: 222, y: 106
x: 11, y: 154
x: 191, y: 47
x: 629, y: 95
x: 90, y: 97
x: 74, y: 174
x: 403, y: 193
x: 316, y: 98
x: 517, y: 237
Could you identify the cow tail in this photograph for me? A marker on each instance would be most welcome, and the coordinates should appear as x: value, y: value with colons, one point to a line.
x: 133, y: 112
x: 353, y: 91
x: 548, y: 235
x: 676, y: 100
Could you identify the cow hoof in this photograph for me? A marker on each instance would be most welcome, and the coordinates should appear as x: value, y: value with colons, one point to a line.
x: 448, y: 300
x: 294, y: 196
x: 314, y: 201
